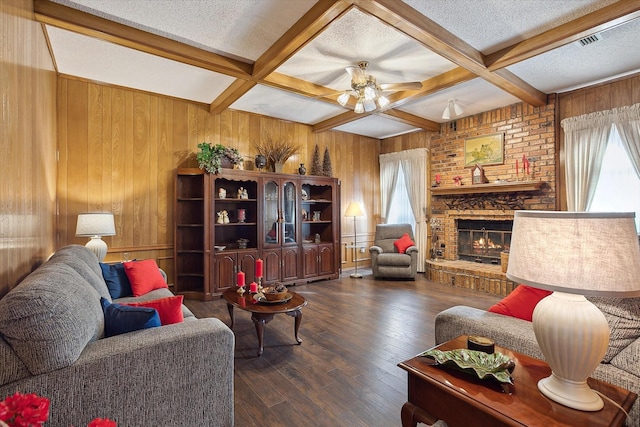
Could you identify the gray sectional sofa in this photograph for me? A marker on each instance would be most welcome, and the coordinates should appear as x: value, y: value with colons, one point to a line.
x: 621, y: 364
x: 52, y: 344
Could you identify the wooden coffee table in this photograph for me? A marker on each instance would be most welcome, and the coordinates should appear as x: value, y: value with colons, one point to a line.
x: 262, y: 313
x: 460, y: 399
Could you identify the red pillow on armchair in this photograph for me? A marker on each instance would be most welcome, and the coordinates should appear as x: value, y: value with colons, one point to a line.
x: 403, y: 243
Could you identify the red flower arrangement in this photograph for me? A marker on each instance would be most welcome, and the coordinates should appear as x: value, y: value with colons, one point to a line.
x: 31, y: 410
x: 457, y: 179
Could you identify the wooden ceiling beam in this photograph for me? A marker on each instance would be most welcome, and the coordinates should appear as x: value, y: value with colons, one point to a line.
x: 411, y: 120
x: 80, y: 22
x: 600, y: 20
x: 417, y: 26
x: 302, y: 32
x: 338, y: 120
x: 230, y: 95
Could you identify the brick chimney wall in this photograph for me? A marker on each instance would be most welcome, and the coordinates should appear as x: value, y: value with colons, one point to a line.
x: 527, y: 130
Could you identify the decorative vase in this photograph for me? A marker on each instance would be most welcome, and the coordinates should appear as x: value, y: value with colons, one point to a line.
x: 302, y: 170
x: 260, y: 161
x: 277, y: 167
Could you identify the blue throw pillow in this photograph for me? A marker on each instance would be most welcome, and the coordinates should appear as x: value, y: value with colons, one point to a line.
x: 116, y: 279
x: 120, y: 319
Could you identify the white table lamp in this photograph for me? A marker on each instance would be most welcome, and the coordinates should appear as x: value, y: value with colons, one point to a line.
x: 574, y: 254
x: 95, y: 225
x: 355, y: 210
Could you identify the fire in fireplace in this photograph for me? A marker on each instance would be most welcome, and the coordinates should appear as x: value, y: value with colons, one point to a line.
x: 482, y: 241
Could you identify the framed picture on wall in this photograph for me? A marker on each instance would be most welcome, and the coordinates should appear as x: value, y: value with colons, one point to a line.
x: 484, y: 150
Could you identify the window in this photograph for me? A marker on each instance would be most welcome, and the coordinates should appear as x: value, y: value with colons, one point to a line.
x: 400, y: 212
x: 618, y: 188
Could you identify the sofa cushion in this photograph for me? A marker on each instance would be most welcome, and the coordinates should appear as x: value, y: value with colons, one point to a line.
x: 153, y: 295
x: 520, y: 302
x: 11, y: 367
x: 144, y: 276
x: 120, y: 319
x: 116, y: 279
x: 623, y: 316
x: 85, y: 263
x: 169, y: 309
x: 629, y: 358
x: 49, y: 318
x: 403, y: 243
x: 394, y: 260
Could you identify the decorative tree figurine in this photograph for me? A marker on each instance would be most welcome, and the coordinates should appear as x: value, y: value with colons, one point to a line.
x: 316, y: 166
x: 327, y: 170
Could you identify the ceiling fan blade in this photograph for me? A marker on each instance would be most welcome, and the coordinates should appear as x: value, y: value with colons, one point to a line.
x: 402, y: 86
x: 357, y: 75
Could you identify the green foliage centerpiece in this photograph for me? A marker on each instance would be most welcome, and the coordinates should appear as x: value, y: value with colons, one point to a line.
x: 212, y: 157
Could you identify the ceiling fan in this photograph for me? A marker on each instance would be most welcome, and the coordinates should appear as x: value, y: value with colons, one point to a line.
x: 367, y: 92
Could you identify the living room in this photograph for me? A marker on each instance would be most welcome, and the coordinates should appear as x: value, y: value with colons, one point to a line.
x: 73, y: 145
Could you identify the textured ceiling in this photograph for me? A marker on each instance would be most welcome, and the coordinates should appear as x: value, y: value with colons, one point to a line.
x: 287, y: 58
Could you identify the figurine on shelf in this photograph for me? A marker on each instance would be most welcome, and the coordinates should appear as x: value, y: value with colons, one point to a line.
x: 245, y: 194
x: 222, y: 193
x: 240, y: 192
x: 223, y: 217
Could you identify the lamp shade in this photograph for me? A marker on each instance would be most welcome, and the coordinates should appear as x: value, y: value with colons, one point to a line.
x: 592, y: 254
x: 354, y: 209
x: 95, y: 224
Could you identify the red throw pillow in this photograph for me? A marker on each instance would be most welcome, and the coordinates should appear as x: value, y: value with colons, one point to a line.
x: 520, y: 302
x: 144, y: 276
x: 403, y: 243
x: 169, y: 309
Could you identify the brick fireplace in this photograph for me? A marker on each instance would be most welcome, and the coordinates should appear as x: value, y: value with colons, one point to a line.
x: 528, y: 131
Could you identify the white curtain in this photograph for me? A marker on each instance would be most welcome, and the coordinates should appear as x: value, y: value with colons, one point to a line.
x: 586, y: 139
x: 415, y: 167
x: 388, y: 178
x: 627, y: 122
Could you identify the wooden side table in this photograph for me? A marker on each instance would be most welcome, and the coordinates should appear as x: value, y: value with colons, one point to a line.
x: 460, y: 399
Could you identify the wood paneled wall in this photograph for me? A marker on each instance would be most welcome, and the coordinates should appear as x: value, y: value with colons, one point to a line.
x: 27, y: 144
x: 619, y: 93
x: 119, y: 149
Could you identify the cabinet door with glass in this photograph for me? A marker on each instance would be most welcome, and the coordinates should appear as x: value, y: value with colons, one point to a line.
x: 280, y: 213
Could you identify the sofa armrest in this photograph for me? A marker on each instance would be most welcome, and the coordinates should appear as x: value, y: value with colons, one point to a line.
x: 375, y: 249
x: 184, y: 373
x: 509, y: 332
x: 412, y: 250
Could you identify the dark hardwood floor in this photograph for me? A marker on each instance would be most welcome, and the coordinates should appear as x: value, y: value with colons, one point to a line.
x: 354, y: 332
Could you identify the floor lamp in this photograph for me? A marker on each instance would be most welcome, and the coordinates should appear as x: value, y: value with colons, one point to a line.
x: 355, y: 210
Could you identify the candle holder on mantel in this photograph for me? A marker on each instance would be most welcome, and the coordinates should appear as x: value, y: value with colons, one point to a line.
x: 241, y: 290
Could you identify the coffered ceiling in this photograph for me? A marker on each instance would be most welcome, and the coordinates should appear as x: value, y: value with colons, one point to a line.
x: 287, y: 58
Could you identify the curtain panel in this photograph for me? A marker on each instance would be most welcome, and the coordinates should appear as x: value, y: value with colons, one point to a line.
x: 586, y: 139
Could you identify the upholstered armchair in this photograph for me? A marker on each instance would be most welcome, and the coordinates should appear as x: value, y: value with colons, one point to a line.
x: 386, y: 260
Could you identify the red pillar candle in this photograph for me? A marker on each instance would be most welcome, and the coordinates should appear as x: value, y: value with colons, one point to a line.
x: 527, y: 166
x: 517, y: 170
x: 438, y: 178
x: 259, y: 267
x: 240, y: 278
x: 253, y: 287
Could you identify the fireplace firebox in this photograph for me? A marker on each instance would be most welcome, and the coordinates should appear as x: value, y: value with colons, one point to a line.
x: 482, y: 241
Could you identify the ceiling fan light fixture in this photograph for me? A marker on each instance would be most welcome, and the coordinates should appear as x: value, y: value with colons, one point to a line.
x: 369, y: 93
x: 359, y: 109
x: 446, y: 115
x: 369, y: 105
x: 382, y: 101
x: 343, y: 99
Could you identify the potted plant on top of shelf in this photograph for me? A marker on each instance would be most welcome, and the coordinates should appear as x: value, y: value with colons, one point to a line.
x: 276, y: 152
x: 213, y: 158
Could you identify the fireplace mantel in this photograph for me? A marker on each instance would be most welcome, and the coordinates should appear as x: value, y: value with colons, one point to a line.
x: 494, y: 187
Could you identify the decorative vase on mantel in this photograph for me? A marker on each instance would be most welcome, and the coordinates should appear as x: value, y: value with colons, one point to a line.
x: 302, y: 170
x: 277, y: 167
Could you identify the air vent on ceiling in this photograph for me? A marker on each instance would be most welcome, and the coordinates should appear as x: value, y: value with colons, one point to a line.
x: 590, y: 39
